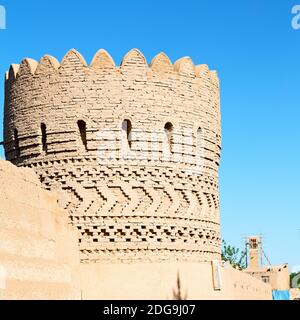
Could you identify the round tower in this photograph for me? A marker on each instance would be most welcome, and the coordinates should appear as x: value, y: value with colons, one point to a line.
x: 132, y: 150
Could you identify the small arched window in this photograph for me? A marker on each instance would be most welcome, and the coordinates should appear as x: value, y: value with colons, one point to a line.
x: 169, y: 134
x: 17, y: 143
x: 44, y: 137
x: 127, y: 128
x: 200, y: 146
x: 82, y: 131
x: 199, y: 137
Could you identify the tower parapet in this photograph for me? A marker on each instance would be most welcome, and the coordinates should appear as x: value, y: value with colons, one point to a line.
x: 133, y: 150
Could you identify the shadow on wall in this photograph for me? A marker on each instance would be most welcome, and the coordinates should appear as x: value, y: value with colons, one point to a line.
x: 178, y: 293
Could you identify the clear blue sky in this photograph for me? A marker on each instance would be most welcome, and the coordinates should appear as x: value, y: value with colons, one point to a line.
x: 257, y: 54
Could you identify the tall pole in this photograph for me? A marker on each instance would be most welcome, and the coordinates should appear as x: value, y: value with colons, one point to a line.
x: 261, y: 251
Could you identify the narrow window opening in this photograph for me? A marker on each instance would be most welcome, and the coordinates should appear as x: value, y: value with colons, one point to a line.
x: 82, y: 130
x: 200, y: 146
x: 127, y: 128
x: 44, y: 137
x: 17, y: 143
x: 169, y: 134
x: 199, y: 138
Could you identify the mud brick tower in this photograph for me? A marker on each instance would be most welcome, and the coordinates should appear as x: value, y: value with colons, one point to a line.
x: 133, y: 151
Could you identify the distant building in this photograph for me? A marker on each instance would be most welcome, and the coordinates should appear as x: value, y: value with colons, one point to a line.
x: 277, y: 276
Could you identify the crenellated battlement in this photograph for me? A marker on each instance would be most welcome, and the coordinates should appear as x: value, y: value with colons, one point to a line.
x: 103, y: 61
x: 132, y: 150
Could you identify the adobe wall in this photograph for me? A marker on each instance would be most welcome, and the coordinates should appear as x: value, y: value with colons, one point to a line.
x: 156, y: 281
x: 277, y: 276
x: 295, y: 294
x: 38, y: 252
x: 156, y: 200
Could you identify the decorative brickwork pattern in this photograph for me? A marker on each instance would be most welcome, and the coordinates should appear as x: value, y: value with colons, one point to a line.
x: 133, y: 151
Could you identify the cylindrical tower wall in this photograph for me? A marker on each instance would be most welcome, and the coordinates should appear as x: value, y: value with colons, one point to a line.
x: 133, y: 151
